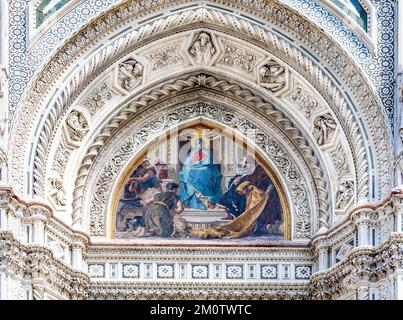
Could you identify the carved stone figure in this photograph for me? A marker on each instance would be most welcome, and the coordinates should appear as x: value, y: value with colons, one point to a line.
x: 57, y: 192
x: 77, y: 126
x: 202, y: 48
x: 130, y: 73
x: 272, y: 76
x: 324, y: 127
x: 345, y: 192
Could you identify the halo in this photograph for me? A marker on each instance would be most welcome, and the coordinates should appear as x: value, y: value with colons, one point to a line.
x: 206, y: 141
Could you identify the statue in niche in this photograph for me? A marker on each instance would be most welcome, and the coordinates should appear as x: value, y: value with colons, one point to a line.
x: 272, y: 76
x: 345, y: 192
x: 324, y: 127
x: 57, y: 192
x: 202, y: 48
x: 77, y: 126
x: 130, y: 73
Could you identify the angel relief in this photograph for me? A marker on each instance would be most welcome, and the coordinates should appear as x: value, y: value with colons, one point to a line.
x: 200, y: 184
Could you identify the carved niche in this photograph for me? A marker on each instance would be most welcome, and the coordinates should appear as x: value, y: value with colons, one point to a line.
x: 324, y: 127
x: 202, y: 49
x: 273, y: 76
x: 75, y: 129
x: 130, y: 74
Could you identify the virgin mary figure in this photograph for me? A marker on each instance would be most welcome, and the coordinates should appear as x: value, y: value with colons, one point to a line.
x: 200, y: 178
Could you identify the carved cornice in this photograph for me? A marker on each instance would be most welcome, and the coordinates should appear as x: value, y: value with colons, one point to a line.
x: 36, y: 262
x: 151, y: 290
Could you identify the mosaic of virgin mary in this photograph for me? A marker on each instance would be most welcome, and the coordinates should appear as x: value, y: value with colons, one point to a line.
x: 202, y: 198
x: 200, y: 177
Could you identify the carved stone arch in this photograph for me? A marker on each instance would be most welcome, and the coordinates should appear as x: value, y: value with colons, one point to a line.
x: 362, y: 162
x: 136, y: 157
x: 114, y: 157
x: 232, y: 91
x: 47, y: 75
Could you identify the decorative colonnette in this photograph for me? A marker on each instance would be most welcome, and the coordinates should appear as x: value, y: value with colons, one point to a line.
x: 369, y: 245
x: 367, y: 270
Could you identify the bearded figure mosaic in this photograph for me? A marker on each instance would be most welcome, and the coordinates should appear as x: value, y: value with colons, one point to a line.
x: 200, y: 184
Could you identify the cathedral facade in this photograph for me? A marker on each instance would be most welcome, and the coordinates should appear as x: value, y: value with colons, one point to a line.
x: 224, y: 149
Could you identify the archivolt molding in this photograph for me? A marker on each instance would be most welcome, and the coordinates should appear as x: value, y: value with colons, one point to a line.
x: 46, y: 136
x: 181, y: 85
x: 343, y: 66
x: 97, y: 191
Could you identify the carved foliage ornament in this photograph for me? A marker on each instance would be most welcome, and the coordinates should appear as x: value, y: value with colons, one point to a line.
x: 304, y: 101
x: 97, y: 99
x: 165, y: 57
x: 239, y: 58
x: 339, y: 158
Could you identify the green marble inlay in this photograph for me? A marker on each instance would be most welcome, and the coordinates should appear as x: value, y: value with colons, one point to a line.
x: 355, y: 10
x: 46, y: 8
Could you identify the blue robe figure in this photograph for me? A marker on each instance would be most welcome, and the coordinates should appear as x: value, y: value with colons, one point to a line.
x: 199, y: 177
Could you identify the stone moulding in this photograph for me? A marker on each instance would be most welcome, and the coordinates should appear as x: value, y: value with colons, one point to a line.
x: 384, y: 153
x: 350, y: 127
x: 365, y: 265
